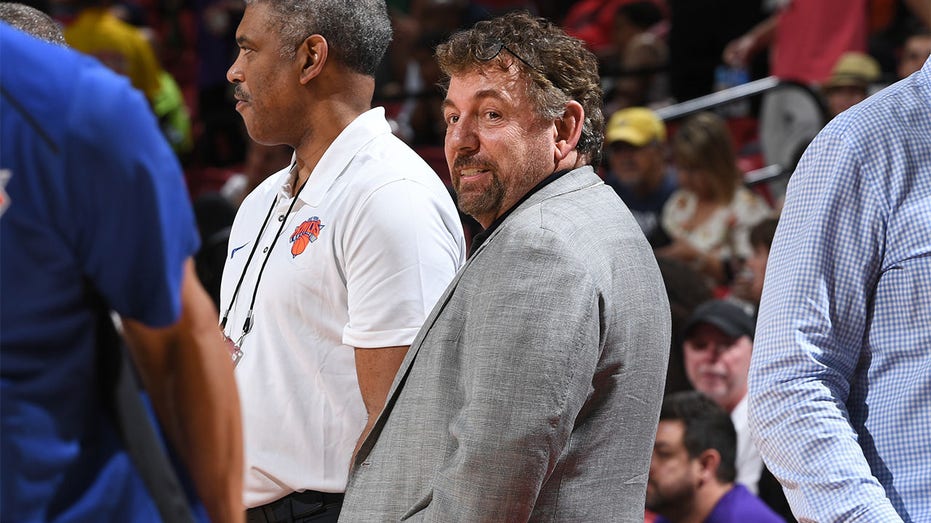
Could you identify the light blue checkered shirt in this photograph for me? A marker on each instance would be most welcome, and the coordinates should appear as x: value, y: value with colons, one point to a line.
x: 840, y: 380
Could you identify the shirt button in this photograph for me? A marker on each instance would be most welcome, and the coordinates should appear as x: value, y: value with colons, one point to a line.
x: 265, y: 250
x: 281, y: 218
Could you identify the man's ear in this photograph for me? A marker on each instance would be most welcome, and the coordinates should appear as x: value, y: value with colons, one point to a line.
x: 568, y: 129
x: 709, y: 461
x: 312, y: 55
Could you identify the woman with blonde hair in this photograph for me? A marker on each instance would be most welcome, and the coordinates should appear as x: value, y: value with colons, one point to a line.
x: 709, y: 218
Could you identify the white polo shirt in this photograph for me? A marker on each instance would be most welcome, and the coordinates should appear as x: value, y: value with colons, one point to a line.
x: 370, y: 244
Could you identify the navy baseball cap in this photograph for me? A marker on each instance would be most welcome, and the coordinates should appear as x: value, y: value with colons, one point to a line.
x: 726, y: 315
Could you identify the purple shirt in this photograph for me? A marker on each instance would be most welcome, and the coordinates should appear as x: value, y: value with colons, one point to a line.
x: 737, y: 506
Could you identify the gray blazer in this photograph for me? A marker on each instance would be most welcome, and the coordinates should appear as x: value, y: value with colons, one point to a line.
x: 532, y: 392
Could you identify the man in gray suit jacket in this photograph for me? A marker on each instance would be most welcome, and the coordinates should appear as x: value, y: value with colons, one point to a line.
x: 532, y: 392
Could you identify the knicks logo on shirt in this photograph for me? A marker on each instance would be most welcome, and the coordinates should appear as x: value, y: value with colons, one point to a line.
x: 304, y: 234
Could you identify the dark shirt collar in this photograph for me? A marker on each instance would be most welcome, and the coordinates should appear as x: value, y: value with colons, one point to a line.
x: 480, y: 238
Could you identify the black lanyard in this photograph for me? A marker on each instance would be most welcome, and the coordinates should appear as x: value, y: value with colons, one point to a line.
x: 247, y: 325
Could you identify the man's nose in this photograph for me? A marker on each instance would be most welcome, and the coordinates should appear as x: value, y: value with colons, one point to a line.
x: 234, y: 73
x: 463, y: 136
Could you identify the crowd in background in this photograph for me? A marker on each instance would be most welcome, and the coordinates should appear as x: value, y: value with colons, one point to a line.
x: 706, y: 186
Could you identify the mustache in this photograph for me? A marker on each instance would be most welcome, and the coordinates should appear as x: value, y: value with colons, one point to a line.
x: 713, y: 371
x: 471, y: 162
x: 240, y: 94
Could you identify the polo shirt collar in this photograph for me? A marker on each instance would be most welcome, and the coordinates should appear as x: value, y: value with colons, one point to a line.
x: 365, y: 128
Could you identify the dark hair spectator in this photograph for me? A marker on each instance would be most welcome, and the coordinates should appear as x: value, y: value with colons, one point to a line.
x: 686, y: 289
x: 707, y: 426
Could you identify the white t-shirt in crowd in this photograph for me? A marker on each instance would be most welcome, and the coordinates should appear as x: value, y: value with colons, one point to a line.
x: 749, y: 462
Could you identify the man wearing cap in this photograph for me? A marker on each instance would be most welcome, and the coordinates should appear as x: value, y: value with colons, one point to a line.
x: 635, y: 142
x: 850, y: 80
x: 717, y: 347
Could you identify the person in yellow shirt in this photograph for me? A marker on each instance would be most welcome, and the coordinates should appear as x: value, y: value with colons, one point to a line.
x: 121, y: 47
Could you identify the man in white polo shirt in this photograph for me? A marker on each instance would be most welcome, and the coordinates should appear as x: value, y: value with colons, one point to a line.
x: 333, y: 262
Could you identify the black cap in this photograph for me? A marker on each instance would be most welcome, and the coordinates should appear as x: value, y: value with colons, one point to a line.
x: 728, y: 316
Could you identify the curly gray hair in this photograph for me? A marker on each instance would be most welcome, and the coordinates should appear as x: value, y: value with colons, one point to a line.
x: 559, y: 66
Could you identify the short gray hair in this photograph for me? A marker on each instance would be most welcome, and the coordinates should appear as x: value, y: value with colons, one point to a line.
x: 32, y: 21
x: 358, y: 31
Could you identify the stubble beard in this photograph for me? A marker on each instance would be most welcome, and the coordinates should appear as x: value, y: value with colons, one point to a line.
x: 671, y: 500
x: 492, y: 201
x: 487, y: 202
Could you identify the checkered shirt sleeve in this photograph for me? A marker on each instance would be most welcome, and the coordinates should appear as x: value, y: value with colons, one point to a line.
x: 840, y: 379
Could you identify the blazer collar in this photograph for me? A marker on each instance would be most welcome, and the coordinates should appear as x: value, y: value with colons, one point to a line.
x: 571, y: 181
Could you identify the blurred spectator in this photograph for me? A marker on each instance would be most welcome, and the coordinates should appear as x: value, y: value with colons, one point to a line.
x: 392, y: 70
x: 686, y: 289
x: 805, y: 38
x: 592, y: 21
x: 921, y: 9
x: 214, y: 215
x: 698, y: 32
x: 173, y: 114
x: 407, y: 79
x: 641, y: 57
x: 850, y: 81
x: 485, y: 9
x: 610, y: 29
x: 718, y: 343
x: 749, y: 282
x: 692, y: 470
x: 215, y: 211
x: 555, y: 10
x: 121, y: 47
x: 221, y: 141
x: 261, y: 161
x: 169, y: 105
x: 708, y: 218
x: 103, y: 30
x: 915, y: 52
x: 420, y: 119
x: 635, y: 143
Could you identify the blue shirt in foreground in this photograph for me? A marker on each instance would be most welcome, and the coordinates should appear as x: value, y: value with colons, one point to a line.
x: 840, y: 381
x: 95, y: 194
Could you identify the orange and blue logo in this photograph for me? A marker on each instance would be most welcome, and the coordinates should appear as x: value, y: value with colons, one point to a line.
x: 304, y: 234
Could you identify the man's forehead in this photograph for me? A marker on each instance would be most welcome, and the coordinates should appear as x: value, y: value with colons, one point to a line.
x: 490, y: 72
x: 484, y: 83
x: 670, y: 432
